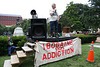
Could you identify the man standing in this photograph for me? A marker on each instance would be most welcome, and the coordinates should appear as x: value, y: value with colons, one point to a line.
x: 54, y: 20
x: 10, y: 46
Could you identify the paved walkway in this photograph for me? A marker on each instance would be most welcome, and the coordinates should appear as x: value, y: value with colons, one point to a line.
x: 96, y: 45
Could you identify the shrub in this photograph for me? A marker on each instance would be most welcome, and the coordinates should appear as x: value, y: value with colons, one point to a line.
x: 17, y: 40
x: 21, y: 43
x: 86, y: 38
x: 3, y: 45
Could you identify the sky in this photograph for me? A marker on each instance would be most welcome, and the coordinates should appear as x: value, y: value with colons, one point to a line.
x: 42, y: 7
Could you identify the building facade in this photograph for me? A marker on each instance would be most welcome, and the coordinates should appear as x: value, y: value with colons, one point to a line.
x: 9, y: 20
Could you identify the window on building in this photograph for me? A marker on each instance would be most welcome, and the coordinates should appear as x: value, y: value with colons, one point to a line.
x: 15, y: 18
x: 10, y: 18
x: 6, y: 17
x: 1, y: 17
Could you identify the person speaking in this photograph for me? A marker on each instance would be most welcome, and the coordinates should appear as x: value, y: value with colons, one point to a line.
x: 54, y: 19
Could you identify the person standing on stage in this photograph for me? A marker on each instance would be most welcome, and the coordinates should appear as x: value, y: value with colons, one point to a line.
x: 54, y: 19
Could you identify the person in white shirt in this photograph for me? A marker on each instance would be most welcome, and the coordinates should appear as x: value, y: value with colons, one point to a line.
x: 54, y: 19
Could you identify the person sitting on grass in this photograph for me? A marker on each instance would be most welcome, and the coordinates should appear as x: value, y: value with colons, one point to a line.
x: 11, y: 47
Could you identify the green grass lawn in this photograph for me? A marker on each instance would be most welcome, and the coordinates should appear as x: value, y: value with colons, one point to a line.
x: 75, y: 61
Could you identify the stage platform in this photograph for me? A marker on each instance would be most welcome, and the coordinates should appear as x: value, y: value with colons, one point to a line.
x: 54, y: 39
x: 51, y: 39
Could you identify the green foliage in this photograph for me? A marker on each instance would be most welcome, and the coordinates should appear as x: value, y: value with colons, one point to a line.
x: 71, y: 16
x: 87, y: 38
x: 11, y: 29
x: 95, y: 2
x: 89, y: 16
x: 2, y: 29
x: 77, y: 25
x: 17, y: 40
x: 21, y: 43
x: 3, y: 45
x: 25, y: 24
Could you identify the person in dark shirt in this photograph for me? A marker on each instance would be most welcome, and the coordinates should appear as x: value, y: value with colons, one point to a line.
x: 11, y: 47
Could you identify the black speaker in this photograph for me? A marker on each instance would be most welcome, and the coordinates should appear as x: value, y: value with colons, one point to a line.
x: 38, y: 29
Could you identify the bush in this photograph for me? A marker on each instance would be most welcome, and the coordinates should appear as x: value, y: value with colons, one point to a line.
x: 17, y: 40
x: 21, y: 43
x: 3, y: 45
x: 87, y: 38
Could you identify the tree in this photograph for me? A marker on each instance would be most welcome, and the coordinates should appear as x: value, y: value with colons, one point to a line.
x: 2, y: 29
x: 77, y: 25
x: 84, y: 17
x: 95, y: 5
x: 71, y: 16
x: 25, y: 24
x: 91, y: 16
x: 87, y: 16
